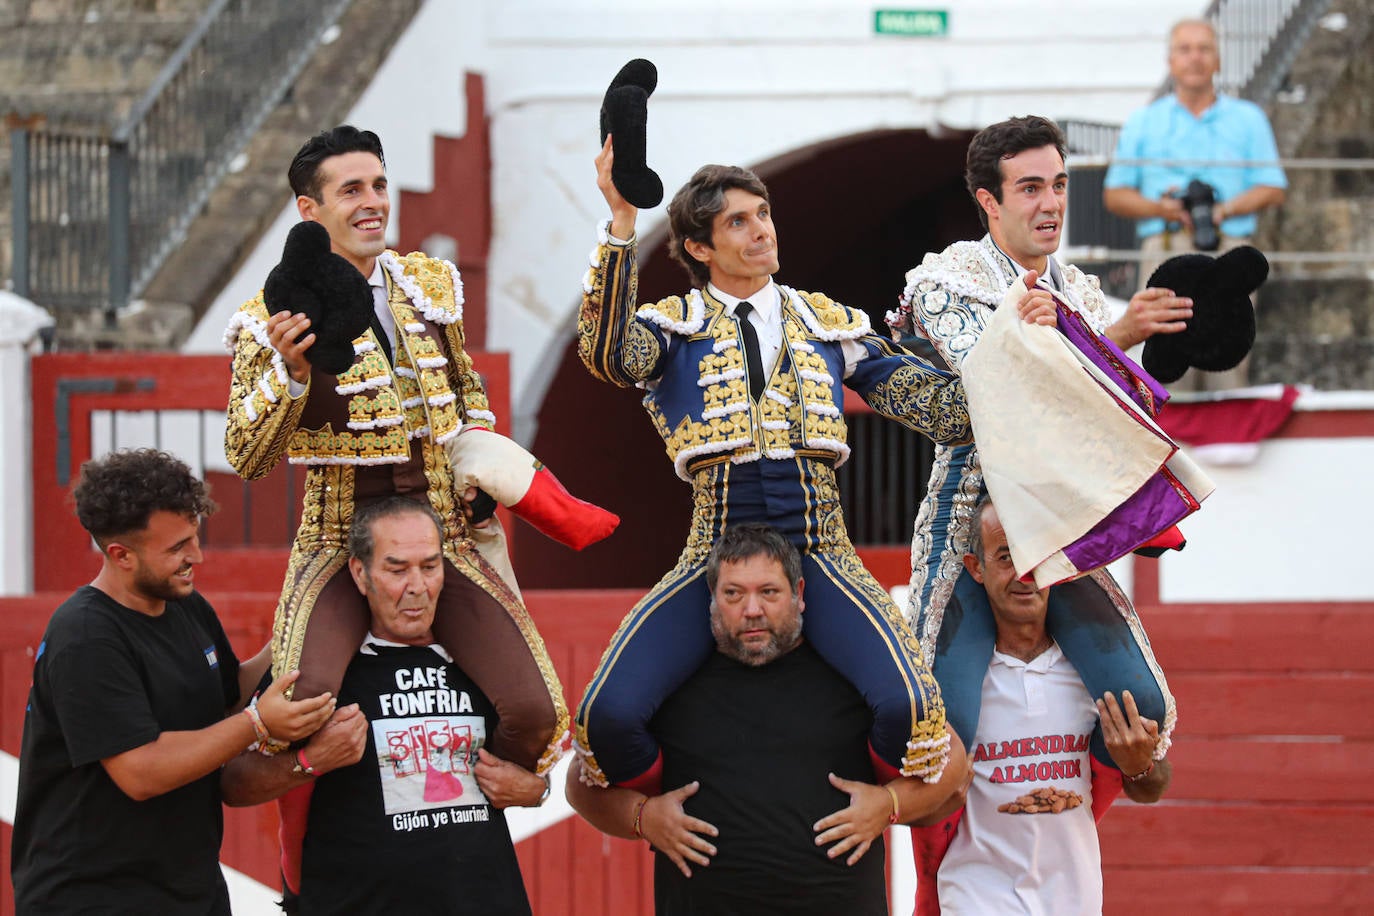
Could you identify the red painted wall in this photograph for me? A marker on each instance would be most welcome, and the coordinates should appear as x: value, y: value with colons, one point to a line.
x: 1270, y: 811
x: 459, y: 207
x: 63, y: 556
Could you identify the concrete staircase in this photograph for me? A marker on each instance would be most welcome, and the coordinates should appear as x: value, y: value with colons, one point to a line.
x: 81, y: 65
x: 249, y: 199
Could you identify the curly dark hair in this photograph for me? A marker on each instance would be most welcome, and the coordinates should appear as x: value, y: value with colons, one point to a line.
x: 304, y: 173
x: 116, y: 495
x: 1003, y: 140
x: 694, y: 208
x: 360, y: 537
x: 751, y: 539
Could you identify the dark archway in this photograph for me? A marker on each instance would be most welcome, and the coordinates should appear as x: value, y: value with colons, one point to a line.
x: 853, y: 215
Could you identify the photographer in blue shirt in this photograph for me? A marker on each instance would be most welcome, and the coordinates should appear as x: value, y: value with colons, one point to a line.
x: 1201, y: 143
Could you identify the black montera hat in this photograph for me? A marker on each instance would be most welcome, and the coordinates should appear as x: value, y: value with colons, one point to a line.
x: 325, y: 288
x: 625, y: 114
x: 1222, y: 329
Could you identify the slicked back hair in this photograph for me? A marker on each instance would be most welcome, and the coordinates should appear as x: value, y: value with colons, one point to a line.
x: 115, y: 495
x: 361, y: 537
x: 304, y: 173
x: 694, y: 208
x: 975, y: 541
x: 992, y: 144
x: 749, y: 540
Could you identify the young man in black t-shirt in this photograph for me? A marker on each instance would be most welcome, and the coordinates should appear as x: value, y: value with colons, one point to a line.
x: 406, y: 813
x: 773, y: 809
x: 127, y: 726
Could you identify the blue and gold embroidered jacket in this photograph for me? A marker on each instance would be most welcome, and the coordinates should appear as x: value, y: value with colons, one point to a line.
x: 687, y: 353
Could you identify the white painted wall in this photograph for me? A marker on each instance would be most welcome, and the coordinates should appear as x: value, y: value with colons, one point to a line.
x: 1289, y: 527
x: 739, y: 81
x: 20, y: 322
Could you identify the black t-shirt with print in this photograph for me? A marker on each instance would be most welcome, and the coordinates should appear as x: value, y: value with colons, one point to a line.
x: 761, y: 740
x: 407, y: 829
x: 108, y: 679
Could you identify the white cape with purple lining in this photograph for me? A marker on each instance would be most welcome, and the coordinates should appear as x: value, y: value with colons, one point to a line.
x: 1071, y: 455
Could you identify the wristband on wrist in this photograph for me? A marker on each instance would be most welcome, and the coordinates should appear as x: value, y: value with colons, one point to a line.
x: 896, y: 808
x: 259, y: 730
x: 265, y: 743
x: 1139, y: 776
x: 302, y: 764
x: 639, y: 813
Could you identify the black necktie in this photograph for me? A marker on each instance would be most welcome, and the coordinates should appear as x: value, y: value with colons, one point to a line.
x: 753, y: 360
x: 383, y: 342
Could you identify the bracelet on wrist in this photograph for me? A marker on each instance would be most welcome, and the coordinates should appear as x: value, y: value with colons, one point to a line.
x: 1139, y: 776
x: 896, y: 808
x: 259, y: 730
x: 265, y: 743
x: 639, y: 814
x: 302, y: 763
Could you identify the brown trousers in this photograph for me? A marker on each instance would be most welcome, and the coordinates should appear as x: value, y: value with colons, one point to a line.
x: 481, y: 635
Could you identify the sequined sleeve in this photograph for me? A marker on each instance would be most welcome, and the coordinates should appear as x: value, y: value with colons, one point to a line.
x: 904, y: 387
x: 614, y: 343
x: 261, y: 415
x: 1093, y: 305
x: 952, y: 318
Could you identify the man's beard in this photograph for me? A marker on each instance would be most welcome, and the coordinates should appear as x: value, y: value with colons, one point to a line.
x: 780, y: 642
x: 167, y: 589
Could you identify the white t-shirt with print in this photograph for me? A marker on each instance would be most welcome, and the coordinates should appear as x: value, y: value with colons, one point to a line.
x: 1027, y: 842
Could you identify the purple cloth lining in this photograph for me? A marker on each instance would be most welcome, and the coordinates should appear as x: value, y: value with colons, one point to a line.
x: 1075, y: 330
x: 1157, y: 505
x: 1154, y: 508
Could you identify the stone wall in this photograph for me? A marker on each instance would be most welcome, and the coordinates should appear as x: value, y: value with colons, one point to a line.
x: 84, y: 62
x: 1316, y: 321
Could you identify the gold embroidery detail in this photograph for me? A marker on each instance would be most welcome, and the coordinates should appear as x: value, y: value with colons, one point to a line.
x: 378, y: 408
x: 832, y: 315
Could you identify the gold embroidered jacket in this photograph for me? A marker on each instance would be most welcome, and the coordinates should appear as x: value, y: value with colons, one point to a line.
x: 688, y: 355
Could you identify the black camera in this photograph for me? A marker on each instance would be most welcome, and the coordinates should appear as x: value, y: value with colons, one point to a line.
x: 1198, y: 199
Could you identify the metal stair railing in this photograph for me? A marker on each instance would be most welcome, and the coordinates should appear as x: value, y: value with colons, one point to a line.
x: 97, y: 214
x: 1259, y: 41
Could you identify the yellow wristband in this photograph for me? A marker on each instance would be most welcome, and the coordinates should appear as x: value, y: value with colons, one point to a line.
x: 896, y: 808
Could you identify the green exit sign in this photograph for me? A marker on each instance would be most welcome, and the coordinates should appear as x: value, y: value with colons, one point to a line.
x: 911, y: 23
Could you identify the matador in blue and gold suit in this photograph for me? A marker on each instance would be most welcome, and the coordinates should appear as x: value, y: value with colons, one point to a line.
x: 768, y: 459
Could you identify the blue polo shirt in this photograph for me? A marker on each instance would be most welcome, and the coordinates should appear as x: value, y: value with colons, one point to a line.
x: 1231, y: 130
